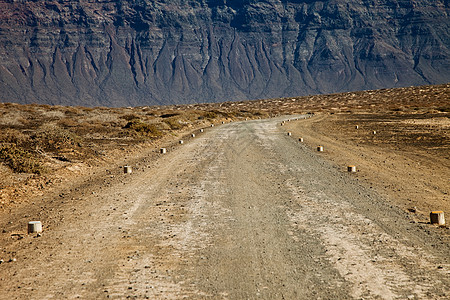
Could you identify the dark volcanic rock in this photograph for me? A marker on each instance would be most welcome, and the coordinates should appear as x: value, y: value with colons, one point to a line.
x: 144, y: 52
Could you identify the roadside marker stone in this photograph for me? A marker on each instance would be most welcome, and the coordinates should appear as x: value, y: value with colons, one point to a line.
x: 374, y: 132
x: 289, y: 133
x: 437, y: 217
x: 351, y: 168
x: 356, y: 127
x: 163, y: 150
x: 300, y: 140
x: 127, y: 169
x: 193, y: 135
x: 201, y: 130
x: 34, y: 227
x: 320, y: 148
x: 212, y: 125
x: 181, y: 142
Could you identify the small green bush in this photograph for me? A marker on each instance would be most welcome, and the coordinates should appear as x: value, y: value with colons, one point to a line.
x: 19, y: 160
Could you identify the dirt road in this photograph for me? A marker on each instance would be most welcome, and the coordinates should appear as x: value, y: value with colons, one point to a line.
x: 242, y: 211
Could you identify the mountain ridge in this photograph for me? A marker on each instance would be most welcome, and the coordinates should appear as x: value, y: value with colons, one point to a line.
x: 119, y: 53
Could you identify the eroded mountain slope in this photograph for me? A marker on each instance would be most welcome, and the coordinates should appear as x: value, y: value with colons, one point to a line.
x: 140, y: 52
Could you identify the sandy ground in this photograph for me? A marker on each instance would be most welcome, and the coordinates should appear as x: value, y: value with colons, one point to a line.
x: 242, y: 211
x: 407, y: 160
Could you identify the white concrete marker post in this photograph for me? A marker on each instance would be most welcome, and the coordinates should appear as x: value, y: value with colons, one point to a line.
x: 193, y: 135
x: 356, y: 127
x: 212, y: 125
x: 181, y: 142
x: 437, y: 217
x: 374, y: 132
x: 163, y: 150
x: 320, y: 148
x: 300, y: 140
x: 201, y: 130
x: 34, y: 227
x: 289, y: 133
x: 351, y: 168
x: 127, y: 169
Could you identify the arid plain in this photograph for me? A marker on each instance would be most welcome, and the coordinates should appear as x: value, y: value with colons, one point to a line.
x: 64, y: 166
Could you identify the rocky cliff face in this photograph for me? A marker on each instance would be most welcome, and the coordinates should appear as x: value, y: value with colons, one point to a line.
x: 145, y: 52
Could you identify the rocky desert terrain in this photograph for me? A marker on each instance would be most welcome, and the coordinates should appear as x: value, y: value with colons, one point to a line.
x: 241, y: 210
x: 38, y: 141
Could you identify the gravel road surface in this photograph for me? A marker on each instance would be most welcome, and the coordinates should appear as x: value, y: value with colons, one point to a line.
x: 242, y: 211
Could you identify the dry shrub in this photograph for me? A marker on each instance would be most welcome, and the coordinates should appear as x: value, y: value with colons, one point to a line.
x: 260, y: 114
x: 210, y: 115
x: 72, y: 111
x: 13, y: 136
x: 53, y: 137
x: 192, y: 116
x: 174, y: 123
x: 102, y: 117
x: 53, y: 114
x: 66, y: 123
x: 86, y: 128
x: 31, y: 108
x: 143, y: 128
x: 44, y: 106
x: 444, y: 109
x: 87, y: 109
x: 19, y: 160
x: 129, y: 117
x: 12, y: 118
x: 169, y: 115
